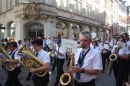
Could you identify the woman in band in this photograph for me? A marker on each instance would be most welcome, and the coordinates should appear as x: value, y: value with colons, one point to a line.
x: 12, y: 79
x: 96, y: 46
x: 44, y: 57
x: 119, y: 65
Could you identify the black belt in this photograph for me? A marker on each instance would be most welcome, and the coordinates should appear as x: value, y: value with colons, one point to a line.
x: 93, y: 80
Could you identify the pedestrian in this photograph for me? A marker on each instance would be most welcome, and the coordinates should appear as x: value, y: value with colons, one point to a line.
x: 88, y: 62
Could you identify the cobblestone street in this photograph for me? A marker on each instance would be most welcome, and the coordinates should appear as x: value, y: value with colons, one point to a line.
x: 103, y: 79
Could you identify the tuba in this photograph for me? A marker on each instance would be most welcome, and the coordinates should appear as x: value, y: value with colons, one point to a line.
x: 9, y: 67
x: 67, y: 78
x: 112, y: 58
x: 30, y: 61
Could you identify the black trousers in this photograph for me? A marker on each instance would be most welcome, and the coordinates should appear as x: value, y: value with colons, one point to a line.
x: 12, y: 79
x: 90, y: 83
x: 108, y: 54
x: 59, y: 64
x: 54, y: 64
x: 119, y: 73
x: 29, y: 75
x: 104, y: 56
x: 41, y: 81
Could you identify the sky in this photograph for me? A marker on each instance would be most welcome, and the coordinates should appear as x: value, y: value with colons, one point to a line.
x: 127, y: 3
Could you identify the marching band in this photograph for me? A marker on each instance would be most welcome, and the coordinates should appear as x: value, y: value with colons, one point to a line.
x: 90, y: 58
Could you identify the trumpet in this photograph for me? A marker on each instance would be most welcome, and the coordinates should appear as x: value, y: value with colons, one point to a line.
x: 67, y: 78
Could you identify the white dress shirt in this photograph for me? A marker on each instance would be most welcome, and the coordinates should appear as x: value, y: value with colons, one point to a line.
x: 97, y: 48
x: 122, y: 51
x: 17, y: 57
x: 106, y: 46
x: 19, y: 46
x: 92, y: 60
x: 61, y: 51
x: 43, y: 56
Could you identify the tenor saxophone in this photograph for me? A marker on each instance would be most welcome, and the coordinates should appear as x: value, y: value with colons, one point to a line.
x: 112, y: 58
x: 67, y: 78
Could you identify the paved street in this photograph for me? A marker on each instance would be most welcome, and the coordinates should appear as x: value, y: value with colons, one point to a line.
x: 102, y: 80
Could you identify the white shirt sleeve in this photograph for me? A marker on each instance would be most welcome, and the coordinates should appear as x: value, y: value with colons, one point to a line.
x: 16, y: 56
x: 113, y: 49
x: 46, y: 58
x: 97, y: 62
x: 127, y: 50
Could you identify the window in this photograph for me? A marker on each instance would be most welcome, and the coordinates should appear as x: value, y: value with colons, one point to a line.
x: 87, y: 10
x: 49, y: 2
x: 75, y: 5
x: 97, y: 1
x: 17, y: 2
x: 90, y: 10
x: 79, y: 6
x: 0, y: 6
x: 105, y: 3
x: 58, y: 3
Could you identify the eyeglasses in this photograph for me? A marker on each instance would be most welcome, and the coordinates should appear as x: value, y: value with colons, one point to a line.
x: 11, y: 46
x: 124, y: 36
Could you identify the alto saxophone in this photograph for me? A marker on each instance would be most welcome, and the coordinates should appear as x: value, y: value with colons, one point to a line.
x: 67, y: 78
x: 112, y: 58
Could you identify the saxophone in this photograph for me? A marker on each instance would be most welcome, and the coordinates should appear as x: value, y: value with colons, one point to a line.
x: 112, y: 58
x: 30, y: 61
x: 67, y: 78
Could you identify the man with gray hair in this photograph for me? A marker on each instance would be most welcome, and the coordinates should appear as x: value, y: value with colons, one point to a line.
x: 88, y: 62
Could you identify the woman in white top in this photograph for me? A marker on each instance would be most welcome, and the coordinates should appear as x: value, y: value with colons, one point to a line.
x: 119, y: 65
x: 96, y: 46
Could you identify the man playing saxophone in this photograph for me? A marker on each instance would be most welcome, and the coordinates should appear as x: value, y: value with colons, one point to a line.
x: 119, y: 65
x: 12, y: 79
x: 44, y: 57
x: 88, y: 62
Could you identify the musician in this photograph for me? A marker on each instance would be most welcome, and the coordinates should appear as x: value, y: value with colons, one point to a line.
x: 44, y: 57
x: 12, y: 79
x: 126, y: 37
x: 105, y: 49
x: 96, y: 46
x: 19, y: 44
x: 60, y: 58
x: 49, y: 44
x: 54, y: 60
x: 88, y: 62
x: 120, y: 64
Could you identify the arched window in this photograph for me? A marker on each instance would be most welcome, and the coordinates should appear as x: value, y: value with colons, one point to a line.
x: 76, y: 30
x: 61, y: 29
x: 12, y: 29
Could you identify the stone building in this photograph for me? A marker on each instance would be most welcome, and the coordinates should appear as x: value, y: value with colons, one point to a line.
x: 43, y: 18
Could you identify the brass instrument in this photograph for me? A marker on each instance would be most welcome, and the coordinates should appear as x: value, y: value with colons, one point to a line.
x: 8, y: 66
x: 52, y: 55
x: 31, y: 61
x: 67, y: 78
x: 112, y: 58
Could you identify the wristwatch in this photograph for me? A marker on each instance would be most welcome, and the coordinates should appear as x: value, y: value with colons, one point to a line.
x: 82, y: 70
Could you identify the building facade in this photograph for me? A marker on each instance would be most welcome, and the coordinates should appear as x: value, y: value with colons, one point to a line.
x: 128, y: 19
x: 57, y: 18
